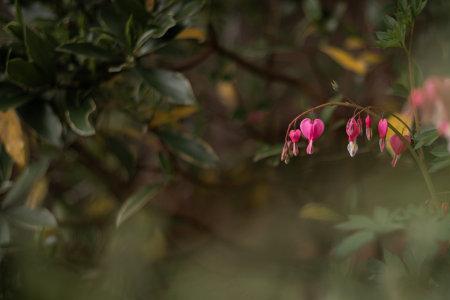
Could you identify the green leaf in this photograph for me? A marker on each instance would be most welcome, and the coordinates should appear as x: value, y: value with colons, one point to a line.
x: 133, y: 7
x: 26, y: 73
x: 312, y: 9
x: 190, y: 149
x: 78, y: 118
x: 40, y: 51
x: 129, y: 32
x: 4, y: 232
x: 440, y: 151
x: 357, y: 222
x: 267, y: 151
x: 171, y: 84
x: 11, y: 96
x: 15, y: 29
x: 41, y: 117
x: 22, y: 186
x: 425, y: 137
x: 354, y: 242
x: 31, y: 218
x: 439, y: 164
x: 136, y: 202
x: 190, y: 9
x: 88, y: 50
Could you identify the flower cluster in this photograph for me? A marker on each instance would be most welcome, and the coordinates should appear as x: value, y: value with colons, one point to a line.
x: 433, y: 102
x: 311, y: 130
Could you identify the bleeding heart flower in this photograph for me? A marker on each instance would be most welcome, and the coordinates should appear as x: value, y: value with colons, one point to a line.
x: 295, y: 135
x: 399, y: 146
x: 382, y: 131
x: 368, y: 121
x: 417, y: 97
x: 353, y: 130
x: 311, y: 130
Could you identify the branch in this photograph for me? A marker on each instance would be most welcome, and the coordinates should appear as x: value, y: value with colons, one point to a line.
x: 262, y: 71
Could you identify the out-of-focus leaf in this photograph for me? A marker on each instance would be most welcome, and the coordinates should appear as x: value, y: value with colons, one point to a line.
x: 171, y: 84
x: 353, y: 243
x: 133, y: 7
x: 439, y: 164
x: 25, y: 73
x: 37, y: 193
x: 78, y: 118
x: 6, y: 165
x: 136, y: 202
x: 22, y: 186
x: 31, y: 218
x: 354, y: 43
x: 88, y: 50
x: 190, y: 149
x: 425, y: 137
x: 312, y: 10
x: 440, y: 151
x: 192, y: 33
x: 12, y: 96
x: 319, y: 212
x: 4, y: 232
x: 228, y: 94
x: 41, y: 117
x: 357, y: 222
x: 15, y: 29
x: 40, y: 51
x: 189, y: 9
x: 12, y: 137
x: 123, y: 154
x: 161, y: 25
x: 172, y: 116
x: 149, y: 5
x: 267, y: 151
x: 346, y: 60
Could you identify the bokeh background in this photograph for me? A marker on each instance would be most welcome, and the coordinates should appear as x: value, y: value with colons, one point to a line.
x: 244, y: 226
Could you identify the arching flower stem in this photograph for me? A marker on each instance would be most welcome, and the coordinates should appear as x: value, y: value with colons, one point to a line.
x: 420, y: 163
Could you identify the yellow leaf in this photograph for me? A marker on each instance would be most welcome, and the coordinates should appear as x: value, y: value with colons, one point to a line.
x: 354, y: 43
x: 100, y: 206
x: 228, y: 94
x: 149, y: 5
x: 37, y: 193
x: 345, y: 59
x: 192, y: 33
x: 319, y: 212
x: 12, y: 137
x: 370, y: 58
x: 172, y: 116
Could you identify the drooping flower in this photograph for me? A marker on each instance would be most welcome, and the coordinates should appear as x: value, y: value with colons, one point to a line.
x: 353, y: 130
x: 368, y: 122
x: 382, y: 131
x: 311, y: 130
x: 417, y: 97
x: 295, y: 135
x: 399, y: 146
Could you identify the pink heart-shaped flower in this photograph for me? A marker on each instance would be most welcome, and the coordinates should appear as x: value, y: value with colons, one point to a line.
x: 398, y: 145
x: 382, y: 128
x: 295, y: 135
x: 312, y: 129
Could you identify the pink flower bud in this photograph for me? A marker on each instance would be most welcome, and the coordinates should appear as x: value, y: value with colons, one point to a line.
x: 295, y: 135
x: 311, y: 130
x: 368, y: 122
x: 399, y: 146
x: 352, y: 129
x: 417, y: 97
x: 382, y: 131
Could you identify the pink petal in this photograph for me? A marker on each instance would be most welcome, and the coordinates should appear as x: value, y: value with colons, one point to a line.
x: 382, y: 128
x: 382, y: 143
x: 310, y: 148
x: 318, y: 129
x: 295, y: 135
x: 352, y: 148
x: 398, y: 145
x: 306, y: 128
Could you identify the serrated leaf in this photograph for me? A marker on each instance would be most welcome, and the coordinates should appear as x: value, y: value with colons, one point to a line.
x: 41, y: 117
x: 136, y: 202
x: 78, y: 118
x: 18, y: 193
x: 25, y: 73
x: 169, y: 83
x: 87, y: 50
x: 190, y: 149
x: 31, y: 218
x: 354, y: 242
